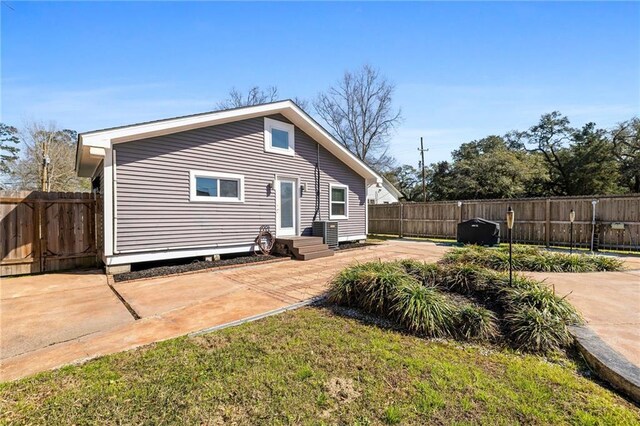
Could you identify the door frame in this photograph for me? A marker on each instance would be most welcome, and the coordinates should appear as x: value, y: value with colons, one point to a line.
x: 296, y: 204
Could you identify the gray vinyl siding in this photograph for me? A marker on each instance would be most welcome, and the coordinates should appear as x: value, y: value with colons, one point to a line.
x: 153, y: 207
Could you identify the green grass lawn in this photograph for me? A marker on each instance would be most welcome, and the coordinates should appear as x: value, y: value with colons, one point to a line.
x: 314, y: 367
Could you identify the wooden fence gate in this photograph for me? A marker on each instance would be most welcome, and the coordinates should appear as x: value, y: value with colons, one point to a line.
x: 46, y: 231
x: 542, y: 221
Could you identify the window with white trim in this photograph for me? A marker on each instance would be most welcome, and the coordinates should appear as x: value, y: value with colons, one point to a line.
x: 279, y: 137
x: 216, y: 187
x: 338, y: 201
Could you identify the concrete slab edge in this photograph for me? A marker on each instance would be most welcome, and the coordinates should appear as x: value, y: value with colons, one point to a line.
x: 259, y: 316
x: 610, y: 365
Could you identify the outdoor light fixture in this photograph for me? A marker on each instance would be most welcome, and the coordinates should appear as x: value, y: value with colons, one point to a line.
x: 510, y: 219
x: 572, y: 217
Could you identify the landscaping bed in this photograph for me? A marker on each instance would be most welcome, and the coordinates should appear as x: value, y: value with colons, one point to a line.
x: 311, y: 366
x: 197, y: 265
x: 462, y: 301
x: 530, y: 258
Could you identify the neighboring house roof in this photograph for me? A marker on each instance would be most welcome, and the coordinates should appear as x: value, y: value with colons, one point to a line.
x: 391, y: 188
x: 92, y: 145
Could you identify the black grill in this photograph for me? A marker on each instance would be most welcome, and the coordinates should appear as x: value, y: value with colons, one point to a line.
x: 479, y: 231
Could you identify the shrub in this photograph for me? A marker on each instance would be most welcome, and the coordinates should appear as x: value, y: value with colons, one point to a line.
x: 607, y: 263
x: 344, y: 288
x: 369, y: 285
x: 465, y: 278
x: 541, y: 298
x: 528, y: 258
x: 423, y: 310
x: 475, y: 322
x: 426, y: 273
x: 537, y: 330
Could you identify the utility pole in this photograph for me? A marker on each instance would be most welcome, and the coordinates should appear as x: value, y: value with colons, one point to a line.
x: 45, y: 184
x: 424, y: 184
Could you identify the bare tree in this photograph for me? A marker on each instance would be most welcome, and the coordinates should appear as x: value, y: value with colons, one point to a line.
x: 360, y: 114
x: 255, y: 96
x: 48, y: 163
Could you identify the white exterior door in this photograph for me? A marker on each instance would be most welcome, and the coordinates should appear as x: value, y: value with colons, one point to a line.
x: 286, y: 207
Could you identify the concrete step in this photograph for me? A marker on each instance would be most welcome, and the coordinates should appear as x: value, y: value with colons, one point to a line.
x: 297, y: 251
x: 316, y: 254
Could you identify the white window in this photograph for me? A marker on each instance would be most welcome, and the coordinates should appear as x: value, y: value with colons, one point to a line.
x: 338, y: 201
x: 216, y: 187
x: 278, y: 137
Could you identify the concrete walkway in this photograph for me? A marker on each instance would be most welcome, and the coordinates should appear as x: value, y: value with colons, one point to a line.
x: 609, y: 302
x: 52, y: 320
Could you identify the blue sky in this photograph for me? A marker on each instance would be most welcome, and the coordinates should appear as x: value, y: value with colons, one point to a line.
x: 462, y: 70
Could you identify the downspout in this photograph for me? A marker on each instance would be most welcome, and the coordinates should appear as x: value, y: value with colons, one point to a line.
x: 317, y: 215
x: 593, y: 222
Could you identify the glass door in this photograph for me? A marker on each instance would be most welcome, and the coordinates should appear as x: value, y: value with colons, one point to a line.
x: 286, y: 207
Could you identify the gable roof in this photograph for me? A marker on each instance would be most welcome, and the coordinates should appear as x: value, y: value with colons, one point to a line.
x: 92, y: 145
x: 391, y: 188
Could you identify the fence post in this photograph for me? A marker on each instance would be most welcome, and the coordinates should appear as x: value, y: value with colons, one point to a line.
x: 547, y: 227
x: 40, y: 241
x: 401, y: 218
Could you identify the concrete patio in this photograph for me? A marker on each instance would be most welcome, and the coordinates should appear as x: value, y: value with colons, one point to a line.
x: 52, y: 320
x: 57, y: 319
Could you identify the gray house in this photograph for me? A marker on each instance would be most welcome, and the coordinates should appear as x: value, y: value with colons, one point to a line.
x: 204, y: 184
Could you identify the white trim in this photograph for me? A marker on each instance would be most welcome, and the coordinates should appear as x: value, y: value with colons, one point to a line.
x: 346, y: 201
x: 107, y: 217
x: 193, y: 197
x: 115, y: 201
x: 106, y: 138
x: 296, y: 205
x: 352, y: 238
x: 366, y: 209
x: 269, y: 125
x: 176, y: 253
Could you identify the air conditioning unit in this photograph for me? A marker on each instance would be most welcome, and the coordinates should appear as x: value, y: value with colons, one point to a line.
x: 328, y: 230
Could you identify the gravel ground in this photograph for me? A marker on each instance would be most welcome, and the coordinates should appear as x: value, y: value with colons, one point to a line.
x: 194, y: 266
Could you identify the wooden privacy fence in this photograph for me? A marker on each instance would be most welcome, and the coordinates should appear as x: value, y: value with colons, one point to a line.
x: 46, y: 231
x: 538, y: 220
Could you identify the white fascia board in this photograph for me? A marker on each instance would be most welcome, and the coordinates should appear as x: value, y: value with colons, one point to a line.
x: 163, y: 127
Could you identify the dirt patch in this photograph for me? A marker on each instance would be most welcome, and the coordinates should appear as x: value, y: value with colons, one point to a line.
x: 342, y: 390
x: 190, y: 267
